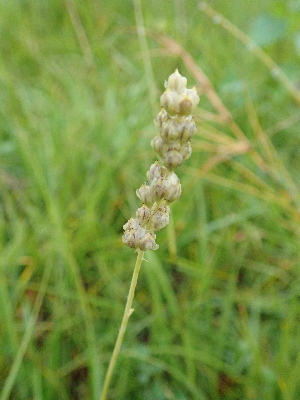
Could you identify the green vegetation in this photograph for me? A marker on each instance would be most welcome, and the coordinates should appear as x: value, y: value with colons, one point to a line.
x: 217, y: 307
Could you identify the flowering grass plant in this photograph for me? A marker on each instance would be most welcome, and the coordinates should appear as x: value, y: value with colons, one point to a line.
x: 173, y: 145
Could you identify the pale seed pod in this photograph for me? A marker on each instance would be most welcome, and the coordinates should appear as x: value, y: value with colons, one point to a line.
x: 173, y: 188
x: 179, y: 102
x: 160, y: 218
x: 138, y: 237
x: 185, y: 105
x: 143, y: 215
x: 193, y: 95
x: 144, y: 193
x: 129, y: 239
x: 157, y: 171
x: 172, y: 159
x: 131, y: 224
x: 173, y: 130
x: 169, y: 130
x: 158, y: 189
x: 147, y: 242
x: 170, y: 100
x: 186, y: 151
x: 188, y: 129
x: 176, y: 82
x: 157, y: 144
x: 162, y: 117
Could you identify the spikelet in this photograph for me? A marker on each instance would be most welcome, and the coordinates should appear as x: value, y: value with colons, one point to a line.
x: 173, y: 145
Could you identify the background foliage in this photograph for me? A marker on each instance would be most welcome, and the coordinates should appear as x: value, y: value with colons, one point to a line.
x: 217, y: 306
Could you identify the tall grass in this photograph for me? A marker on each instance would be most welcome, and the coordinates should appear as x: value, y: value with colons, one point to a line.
x: 216, y: 312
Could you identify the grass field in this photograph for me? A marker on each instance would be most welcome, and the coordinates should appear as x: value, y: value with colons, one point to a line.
x: 217, y: 306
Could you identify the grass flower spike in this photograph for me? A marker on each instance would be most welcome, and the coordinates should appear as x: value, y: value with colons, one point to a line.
x: 173, y: 145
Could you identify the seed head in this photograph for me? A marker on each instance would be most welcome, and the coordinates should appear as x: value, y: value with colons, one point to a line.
x: 173, y: 145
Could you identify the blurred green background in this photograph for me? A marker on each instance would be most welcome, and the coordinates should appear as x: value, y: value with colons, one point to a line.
x: 217, y: 307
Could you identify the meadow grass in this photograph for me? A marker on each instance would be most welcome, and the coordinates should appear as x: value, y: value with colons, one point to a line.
x: 217, y: 306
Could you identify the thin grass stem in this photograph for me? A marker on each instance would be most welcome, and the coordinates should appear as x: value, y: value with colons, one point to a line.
x: 29, y: 331
x: 275, y: 70
x: 127, y: 312
x: 145, y: 52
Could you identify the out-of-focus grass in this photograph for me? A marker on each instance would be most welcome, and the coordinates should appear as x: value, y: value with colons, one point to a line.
x: 218, y: 317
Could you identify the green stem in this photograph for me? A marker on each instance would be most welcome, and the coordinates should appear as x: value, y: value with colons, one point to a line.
x: 127, y: 312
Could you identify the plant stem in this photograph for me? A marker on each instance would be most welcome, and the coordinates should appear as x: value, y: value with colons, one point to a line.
x: 127, y: 312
